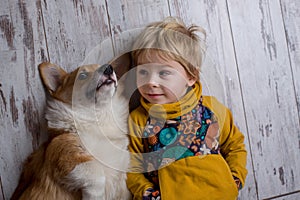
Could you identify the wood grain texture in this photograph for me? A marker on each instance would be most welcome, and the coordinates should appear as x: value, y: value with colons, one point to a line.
x: 127, y: 18
x: 73, y: 29
x: 268, y: 93
x: 295, y: 195
x: 21, y: 92
x: 1, y: 190
x: 291, y: 19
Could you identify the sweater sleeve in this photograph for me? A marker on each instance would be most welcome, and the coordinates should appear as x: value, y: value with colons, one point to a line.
x: 137, y: 183
x: 231, y: 141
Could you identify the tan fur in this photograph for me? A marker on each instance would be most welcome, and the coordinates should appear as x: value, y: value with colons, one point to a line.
x: 86, y: 155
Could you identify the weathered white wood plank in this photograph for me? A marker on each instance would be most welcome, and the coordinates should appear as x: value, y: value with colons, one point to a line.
x: 291, y: 18
x: 294, y: 196
x: 21, y: 93
x: 5, y: 40
x: 1, y: 190
x: 268, y: 93
x: 128, y: 17
x: 73, y: 29
x: 219, y: 74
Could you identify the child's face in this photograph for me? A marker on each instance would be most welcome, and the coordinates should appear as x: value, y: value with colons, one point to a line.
x: 162, y: 81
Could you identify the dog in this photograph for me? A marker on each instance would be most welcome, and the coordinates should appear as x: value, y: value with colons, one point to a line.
x: 86, y: 154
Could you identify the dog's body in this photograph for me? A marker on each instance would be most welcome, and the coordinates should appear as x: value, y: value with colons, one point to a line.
x: 86, y: 155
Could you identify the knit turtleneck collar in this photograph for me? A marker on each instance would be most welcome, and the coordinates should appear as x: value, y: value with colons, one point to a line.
x: 173, y: 110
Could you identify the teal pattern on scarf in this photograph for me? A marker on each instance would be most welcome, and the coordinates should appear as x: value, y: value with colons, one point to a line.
x: 178, y: 138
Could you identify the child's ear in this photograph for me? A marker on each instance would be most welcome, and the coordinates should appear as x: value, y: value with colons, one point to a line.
x: 51, y: 75
x: 191, y: 81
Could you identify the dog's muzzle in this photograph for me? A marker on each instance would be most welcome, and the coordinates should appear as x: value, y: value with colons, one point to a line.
x: 107, y: 76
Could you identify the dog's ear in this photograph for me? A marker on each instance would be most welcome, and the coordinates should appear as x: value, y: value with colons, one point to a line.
x: 51, y: 75
x: 122, y: 64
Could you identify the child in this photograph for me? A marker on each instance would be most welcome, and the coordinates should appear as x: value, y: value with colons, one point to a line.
x: 184, y: 144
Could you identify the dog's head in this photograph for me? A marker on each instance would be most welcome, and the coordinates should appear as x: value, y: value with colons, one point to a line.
x: 88, y: 84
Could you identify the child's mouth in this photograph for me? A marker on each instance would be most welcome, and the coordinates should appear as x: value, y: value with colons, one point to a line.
x: 154, y: 95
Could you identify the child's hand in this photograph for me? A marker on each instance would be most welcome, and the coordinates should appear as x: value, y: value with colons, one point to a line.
x: 237, y: 182
x: 151, y: 194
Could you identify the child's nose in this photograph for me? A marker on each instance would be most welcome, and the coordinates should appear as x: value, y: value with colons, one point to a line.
x: 153, y: 81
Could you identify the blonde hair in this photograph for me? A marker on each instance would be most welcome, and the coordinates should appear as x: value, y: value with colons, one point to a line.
x: 172, y: 40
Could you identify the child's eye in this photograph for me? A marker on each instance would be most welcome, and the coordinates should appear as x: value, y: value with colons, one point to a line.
x: 164, y: 73
x: 82, y: 75
x: 142, y: 72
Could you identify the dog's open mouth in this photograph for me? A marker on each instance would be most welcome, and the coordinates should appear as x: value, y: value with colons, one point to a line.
x: 106, y: 81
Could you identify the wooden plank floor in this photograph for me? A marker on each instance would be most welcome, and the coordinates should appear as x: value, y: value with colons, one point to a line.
x: 252, y: 65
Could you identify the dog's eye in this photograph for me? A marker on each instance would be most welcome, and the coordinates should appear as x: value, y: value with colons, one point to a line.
x: 82, y: 76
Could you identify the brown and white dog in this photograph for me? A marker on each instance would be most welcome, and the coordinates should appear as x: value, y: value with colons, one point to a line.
x: 86, y: 155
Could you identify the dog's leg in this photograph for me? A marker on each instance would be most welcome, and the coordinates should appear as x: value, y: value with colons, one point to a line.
x: 89, y: 177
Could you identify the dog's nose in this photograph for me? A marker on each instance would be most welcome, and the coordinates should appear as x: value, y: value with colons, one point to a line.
x: 108, y: 70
